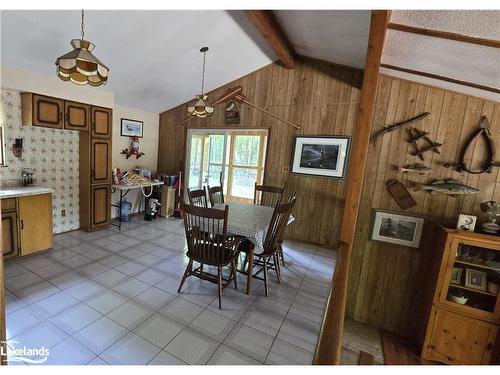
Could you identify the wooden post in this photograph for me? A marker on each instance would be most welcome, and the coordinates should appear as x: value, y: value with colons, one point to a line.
x: 270, y: 29
x: 329, y: 347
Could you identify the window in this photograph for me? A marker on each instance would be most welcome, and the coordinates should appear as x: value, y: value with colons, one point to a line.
x: 236, y: 156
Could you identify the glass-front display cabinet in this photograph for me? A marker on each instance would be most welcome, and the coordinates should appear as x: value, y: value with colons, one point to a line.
x: 464, y: 319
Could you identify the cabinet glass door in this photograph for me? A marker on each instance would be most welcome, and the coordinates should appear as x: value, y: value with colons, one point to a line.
x: 474, y: 280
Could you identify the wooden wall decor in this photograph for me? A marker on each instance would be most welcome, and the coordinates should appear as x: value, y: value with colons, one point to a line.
x: 321, y: 96
x: 385, y: 280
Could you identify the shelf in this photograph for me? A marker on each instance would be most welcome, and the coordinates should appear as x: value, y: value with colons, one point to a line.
x: 472, y: 290
x: 479, y: 265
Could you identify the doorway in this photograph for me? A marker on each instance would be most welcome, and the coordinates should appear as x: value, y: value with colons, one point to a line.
x: 235, y: 158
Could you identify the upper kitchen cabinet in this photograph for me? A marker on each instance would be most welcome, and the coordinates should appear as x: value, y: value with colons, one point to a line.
x: 40, y: 110
x: 101, y: 122
x: 76, y: 116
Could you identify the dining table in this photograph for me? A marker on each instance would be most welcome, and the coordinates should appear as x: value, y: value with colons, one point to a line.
x: 252, y: 222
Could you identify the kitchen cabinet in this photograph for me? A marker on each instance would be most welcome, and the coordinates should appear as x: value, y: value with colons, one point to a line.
x: 100, y: 212
x: 100, y: 157
x: 101, y: 122
x: 10, y: 241
x: 76, y: 116
x: 463, y: 304
x: 42, y: 110
x: 26, y: 225
x: 35, y: 223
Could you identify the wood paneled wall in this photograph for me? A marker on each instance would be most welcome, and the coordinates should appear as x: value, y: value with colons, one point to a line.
x: 321, y: 97
x: 385, y: 279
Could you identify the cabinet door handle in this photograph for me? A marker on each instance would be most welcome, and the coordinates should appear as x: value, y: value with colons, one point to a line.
x: 66, y: 116
x: 92, y: 172
x: 22, y: 224
x: 60, y: 116
x: 489, y: 346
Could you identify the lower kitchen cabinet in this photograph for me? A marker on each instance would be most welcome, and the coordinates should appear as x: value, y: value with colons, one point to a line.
x: 10, y: 235
x: 101, y: 206
x: 26, y: 225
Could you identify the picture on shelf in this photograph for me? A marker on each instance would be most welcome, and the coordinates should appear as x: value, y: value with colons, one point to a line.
x: 396, y: 228
x: 475, y: 279
x: 131, y: 128
x: 324, y: 156
x: 456, y: 275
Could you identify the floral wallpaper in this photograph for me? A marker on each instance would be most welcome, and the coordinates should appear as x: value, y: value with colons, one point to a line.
x: 51, y: 153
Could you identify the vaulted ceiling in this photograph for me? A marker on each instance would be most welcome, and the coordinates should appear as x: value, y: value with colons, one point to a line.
x: 153, y: 56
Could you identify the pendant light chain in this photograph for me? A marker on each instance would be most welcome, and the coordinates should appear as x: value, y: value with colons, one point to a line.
x: 203, y: 73
x: 83, y: 33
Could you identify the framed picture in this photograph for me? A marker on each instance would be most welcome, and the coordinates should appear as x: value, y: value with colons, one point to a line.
x: 324, y: 156
x: 456, y: 275
x: 131, y: 128
x: 396, y: 228
x: 475, y: 279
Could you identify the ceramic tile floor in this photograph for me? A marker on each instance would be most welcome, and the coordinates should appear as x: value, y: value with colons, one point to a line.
x: 110, y: 297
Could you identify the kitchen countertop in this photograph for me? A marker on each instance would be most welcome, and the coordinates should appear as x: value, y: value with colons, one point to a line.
x: 19, y: 191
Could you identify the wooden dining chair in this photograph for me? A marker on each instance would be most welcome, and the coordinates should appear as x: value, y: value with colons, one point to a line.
x: 267, y: 195
x: 198, y: 197
x: 281, y: 255
x: 216, y: 195
x: 208, y: 244
x: 268, y: 258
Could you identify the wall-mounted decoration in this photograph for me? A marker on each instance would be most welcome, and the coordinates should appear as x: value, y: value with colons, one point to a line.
x: 400, y: 194
x: 391, y: 128
x: 131, y: 128
x: 232, y: 113
x: 456, y: 275
x: 396, y: 228
x: 236, y: 95
x: 134, y: 149
x: 450, y: 187
x: 414, y: 135
x: 475, y: 279
x: 416, y: 168
x: 489, y: 160
x: 324, y: 156
x: 466, y: 222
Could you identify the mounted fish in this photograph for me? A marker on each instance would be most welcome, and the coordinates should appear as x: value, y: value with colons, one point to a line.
x: 450, y: 187
x: 416, y: 168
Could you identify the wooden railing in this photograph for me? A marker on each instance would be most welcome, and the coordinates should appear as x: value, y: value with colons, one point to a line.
x: 329, y: 347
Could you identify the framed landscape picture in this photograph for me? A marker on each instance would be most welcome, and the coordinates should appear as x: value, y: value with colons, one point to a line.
x: 396, y: 228
x: 324, y: 156
x: 131, y: 128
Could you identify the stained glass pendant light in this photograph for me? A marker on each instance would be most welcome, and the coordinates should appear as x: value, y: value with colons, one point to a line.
x: 201, y: 108
x: 80, y: 66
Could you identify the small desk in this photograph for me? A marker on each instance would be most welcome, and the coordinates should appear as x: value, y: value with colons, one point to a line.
x: 124, y: 189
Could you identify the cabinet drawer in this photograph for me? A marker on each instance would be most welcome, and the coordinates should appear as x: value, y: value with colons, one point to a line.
x: 9, y: 204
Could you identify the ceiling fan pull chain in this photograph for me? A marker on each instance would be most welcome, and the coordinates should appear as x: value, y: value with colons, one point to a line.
x: 83, y: 32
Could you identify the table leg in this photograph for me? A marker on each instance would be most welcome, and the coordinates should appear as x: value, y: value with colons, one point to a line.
x: 250, y: 268
x: 120, y: 212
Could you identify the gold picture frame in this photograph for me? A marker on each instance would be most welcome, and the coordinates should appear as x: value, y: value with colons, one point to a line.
x: 475, y: 279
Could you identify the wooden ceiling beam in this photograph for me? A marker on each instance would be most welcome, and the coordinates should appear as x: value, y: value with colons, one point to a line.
x: 445, y: 35
x: 329, y: 347
x: 270, y: 29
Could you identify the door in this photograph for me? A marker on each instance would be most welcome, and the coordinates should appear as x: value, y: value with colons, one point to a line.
x: 235, y: 156
x: 76, y: 116
x: 100, y: 207
x: 100, y: 161
x: 459, y: 339
x: 10, y: 245
x: 35, y: 221
x: 101, y: 122
x: 47, y: 111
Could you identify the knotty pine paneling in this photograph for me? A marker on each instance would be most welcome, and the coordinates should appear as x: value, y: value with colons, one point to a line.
x: 320, y: 96
x: 385, y: 279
